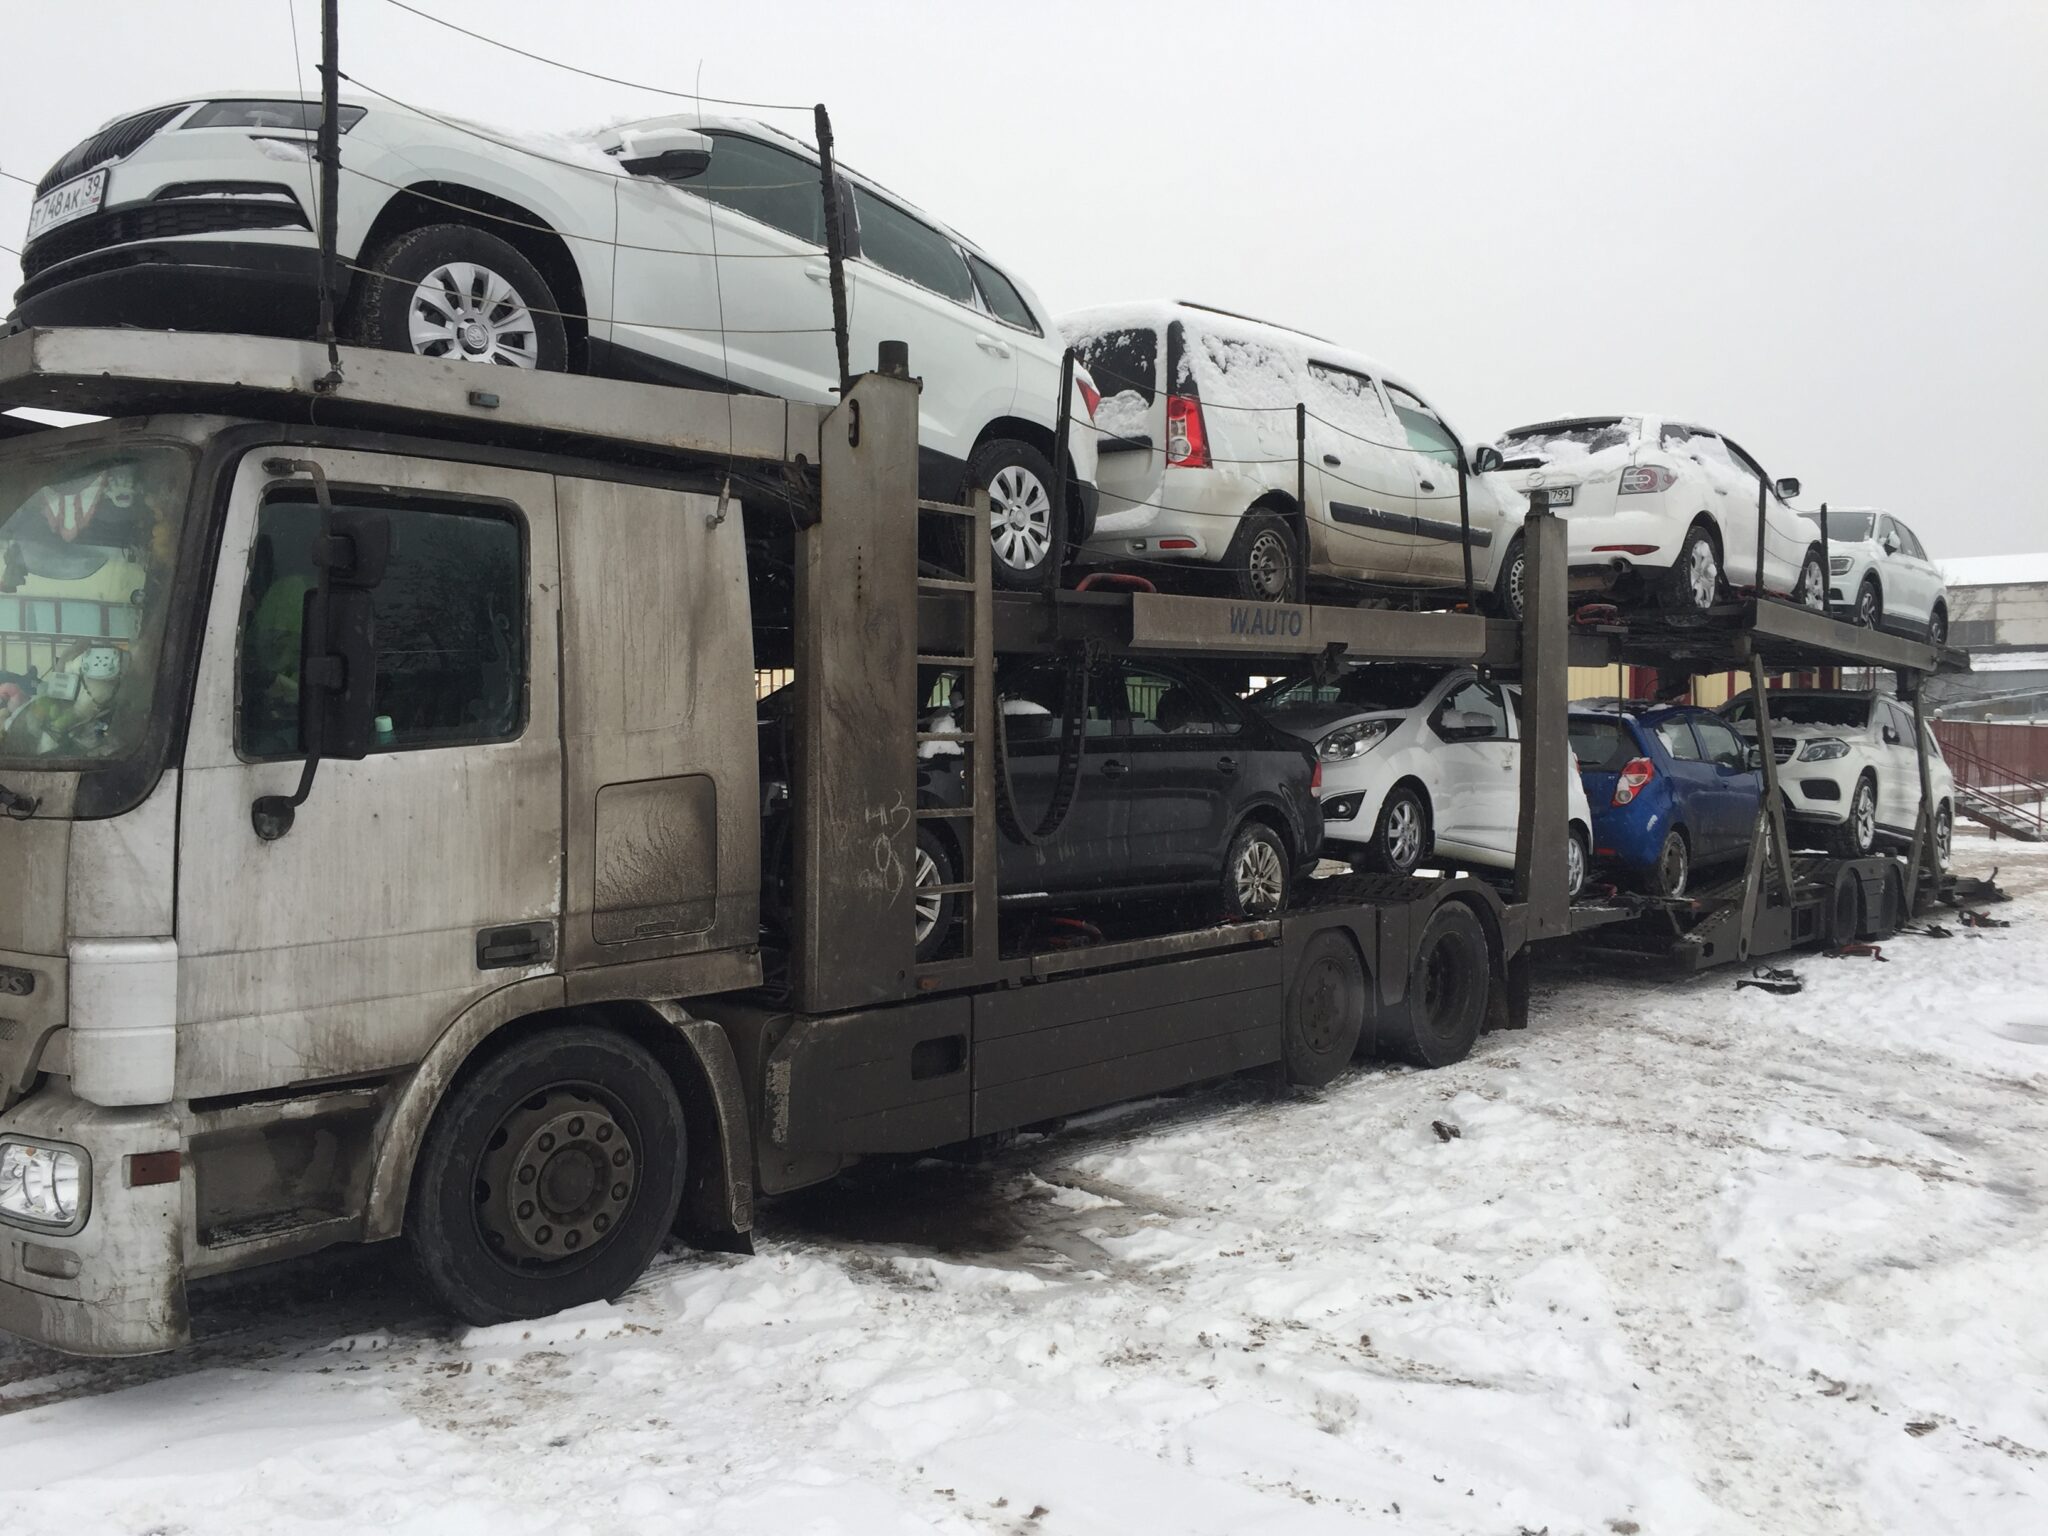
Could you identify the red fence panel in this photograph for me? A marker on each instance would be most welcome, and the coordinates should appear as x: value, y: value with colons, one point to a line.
x: 2020, y: 751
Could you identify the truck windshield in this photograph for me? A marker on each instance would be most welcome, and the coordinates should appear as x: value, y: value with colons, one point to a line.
x: 88, y: 540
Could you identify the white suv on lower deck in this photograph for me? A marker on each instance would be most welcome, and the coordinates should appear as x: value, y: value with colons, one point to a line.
x: 1847, y: 769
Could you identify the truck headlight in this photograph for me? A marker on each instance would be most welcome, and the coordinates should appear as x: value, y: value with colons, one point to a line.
x: 43, y: 1185
x: 1823, y: 749
x: 1349, y: 741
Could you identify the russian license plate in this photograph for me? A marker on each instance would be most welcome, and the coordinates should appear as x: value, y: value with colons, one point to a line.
x: 1561, y: 495
x: 74, y: 200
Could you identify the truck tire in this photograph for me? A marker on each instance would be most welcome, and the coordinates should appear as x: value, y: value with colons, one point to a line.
x: 1857, y: 834
x: 1325, y: 1011
x: 549, y: 1177
x: 1447, y: 984
x: 489, y: 304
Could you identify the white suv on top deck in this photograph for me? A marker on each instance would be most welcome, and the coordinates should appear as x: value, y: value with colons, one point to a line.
x: 1879, y: 575
x: 1847, y: 768
x: 1661, y: 512
x: 675, y: 250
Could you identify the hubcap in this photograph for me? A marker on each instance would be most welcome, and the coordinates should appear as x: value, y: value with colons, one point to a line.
x: 556, y: 1179
x: 1515, y: 572
x: 1404, y: 835
x: 1813, y: 585
x: 470, y: 314
x: 926, y: 875
x: 1675, y: 871
x: 1703, y: 575
x: 1574, y: 865
x: 1260, y: 880
x: 1020, y: 517
x: 1269, y: 565
x: 1866, y: 817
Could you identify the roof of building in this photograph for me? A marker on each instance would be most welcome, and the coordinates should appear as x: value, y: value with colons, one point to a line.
x: 1994, y: 570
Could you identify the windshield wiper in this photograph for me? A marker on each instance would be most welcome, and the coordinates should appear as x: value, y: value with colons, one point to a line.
x: 17, y: 806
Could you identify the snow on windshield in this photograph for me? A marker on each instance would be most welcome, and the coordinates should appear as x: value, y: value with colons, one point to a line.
x: 1568, y: 442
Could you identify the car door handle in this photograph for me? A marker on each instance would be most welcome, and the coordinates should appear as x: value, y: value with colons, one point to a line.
x: 818, y: 274
x: 1429, y: 485
x: 1332, y: 460
x: 1115, y: 769
x: 991, y: 345
x: 1226, y: 765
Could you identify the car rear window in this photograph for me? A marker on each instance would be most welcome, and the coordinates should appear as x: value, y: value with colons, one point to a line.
x: 1602, y: 746
x: 1546, y: 443
x: 1123, y: 361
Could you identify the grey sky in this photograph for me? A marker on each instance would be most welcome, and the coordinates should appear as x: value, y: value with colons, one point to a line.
x: 1820, y: 227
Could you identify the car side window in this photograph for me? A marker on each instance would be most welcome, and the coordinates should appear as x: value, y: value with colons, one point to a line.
x: 1347, y: 401
x: 1676, y: 734
x: 1901, y: 722
x: 1427, y: 434
x: 912, y: 250
x: 1722, y: 746
x: 1472, y: 712
x: 451, y: 628
x: 1001, y: 296
x: 1034, y: 702
x: 1161, y: 705
x: 765, y: 183
x: 1910, y: 541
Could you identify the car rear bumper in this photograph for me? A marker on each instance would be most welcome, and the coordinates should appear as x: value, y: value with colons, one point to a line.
x: 269, y: 287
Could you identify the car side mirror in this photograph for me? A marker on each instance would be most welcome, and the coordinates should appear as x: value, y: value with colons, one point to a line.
x: 667, y: 154
x: 1891, y: 543
x: 1787, y: 489
x: 1754, y: 757
x: 1891, y: 736
x: 1486, y: 459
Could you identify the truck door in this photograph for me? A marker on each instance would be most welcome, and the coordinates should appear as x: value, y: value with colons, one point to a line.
x: 423, y: 876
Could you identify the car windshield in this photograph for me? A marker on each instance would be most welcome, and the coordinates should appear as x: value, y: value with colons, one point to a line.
x: 88, y: 541
x: 1551, y: 441
x: 1850, y: 711
x: 1363, y: 688
x: 1845, y: 527
x: 1601, y: 746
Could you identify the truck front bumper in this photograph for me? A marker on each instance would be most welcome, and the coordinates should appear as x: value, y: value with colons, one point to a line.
x: 116, y: 1286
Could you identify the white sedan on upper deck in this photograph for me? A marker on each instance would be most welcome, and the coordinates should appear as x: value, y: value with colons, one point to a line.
x: 674, y: 250
x: 1663, y: 513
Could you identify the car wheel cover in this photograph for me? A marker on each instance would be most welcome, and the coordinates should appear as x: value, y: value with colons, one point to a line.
x: 1813, y: 584
x: 1261, y: 882
x: 1673, y: 869
x: 1020, y: 517
x: 925, y: 879
x: 1863, y: 817
x: 1517, y: 566
x: 466, y: 313
x: 1404, y: 834
x: 556, y: 1179
x: 1269, y: 565
x: 1702, y: 573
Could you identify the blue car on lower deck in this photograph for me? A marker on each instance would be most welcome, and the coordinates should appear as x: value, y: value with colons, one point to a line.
x: 1673, y: 790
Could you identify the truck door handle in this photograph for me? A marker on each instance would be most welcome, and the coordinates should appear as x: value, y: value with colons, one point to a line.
x: 516, y: 947
x: 990, y: 345
x: 818, y: 274
x: 1332, y: 460
x: 1113, y: 768
x: 1226, y: 765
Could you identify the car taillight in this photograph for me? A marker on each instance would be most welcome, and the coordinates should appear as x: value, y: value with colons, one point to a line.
x: 1090, y: 395
x: 1638, y: 772
x: 1642, y: 479
x: 1187, y: 438
x: 1315, y: 778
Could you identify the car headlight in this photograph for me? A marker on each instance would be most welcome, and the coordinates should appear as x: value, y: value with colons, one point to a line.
x: 276, y: 116
x: 1839, y: 564
x: 1823, y: 749
x: 42, y: 1184
x: 1349, y: 741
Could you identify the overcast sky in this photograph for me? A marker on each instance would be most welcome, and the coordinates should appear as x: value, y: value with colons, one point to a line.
x: 1820, y: 227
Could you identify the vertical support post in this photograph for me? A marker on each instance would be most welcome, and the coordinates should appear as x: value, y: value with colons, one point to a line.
x: 1544, y: 818
x: 1827, y: 560
x: 1465, y: 533
x: 835, y: 247
x: 1301, y: 466
x: 1924, y: 860
x: 1762, y: 499
x: 1062, y: 455
x: 1767, y: 841
x: 329, y: 147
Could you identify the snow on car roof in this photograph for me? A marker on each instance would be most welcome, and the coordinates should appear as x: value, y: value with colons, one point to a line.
x: 1136, y: 313
x: 1995, y: 570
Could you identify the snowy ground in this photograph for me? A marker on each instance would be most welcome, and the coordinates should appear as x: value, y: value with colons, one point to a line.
x: 1691, y: 1259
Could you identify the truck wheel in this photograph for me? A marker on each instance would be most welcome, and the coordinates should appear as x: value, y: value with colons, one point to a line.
x: 1401, y: 836
x: 935, y: 911
x: 459, y: 294
x: 1263, y: 564
x: 1256, y: 874
x: 549, y: 1177
x: 1695, y: 580
x: 1856, y: 836
x: 1446, y: 991
x: 1018, y: 480
x: 1325, y: 1011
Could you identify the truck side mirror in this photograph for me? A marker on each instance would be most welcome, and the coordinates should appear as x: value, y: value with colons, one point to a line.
x: 667, y: 154
x: 1787, y: 489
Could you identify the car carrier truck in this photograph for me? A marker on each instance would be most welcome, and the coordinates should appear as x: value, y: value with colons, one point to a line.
x: 381, y: 811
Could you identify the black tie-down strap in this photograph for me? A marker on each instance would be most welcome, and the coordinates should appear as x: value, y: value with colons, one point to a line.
x: 1067, y: 783
x: 1771, y: 978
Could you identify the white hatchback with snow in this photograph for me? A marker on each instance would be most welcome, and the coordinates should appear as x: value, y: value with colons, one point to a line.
x: 676, y: 250
x: 1200, y: 465
x: 1420, y: 765
x: 1661, y: 513
x: 1848, y: 771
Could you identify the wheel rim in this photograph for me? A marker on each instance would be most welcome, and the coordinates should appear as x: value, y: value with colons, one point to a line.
x: 1937, y: 628
x: 1516, y: 569
x: 1944, y: 831
x: 1404, y: 834
x: 1813, y: 585
x: 1702, y: 574
x: 557, y: 1178
x: 1865, y: 814
x: 1269, y: 565
x: 1574, y: 865
x: 1260, y: 880
x: 1443, y: 980
x: 925, y: 873
x: 1866, y: 606
x: 1672, y: 866
x: 1020, y: 517
x: 470, y: 314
